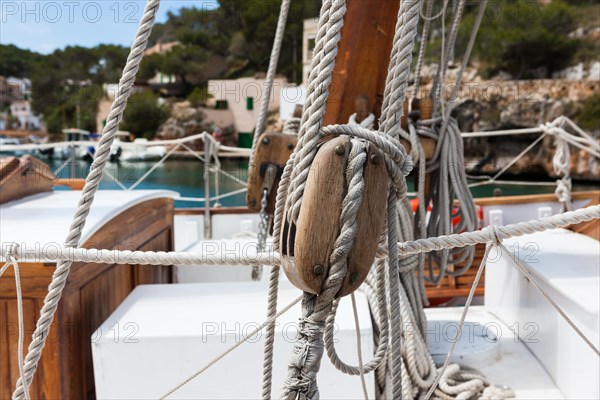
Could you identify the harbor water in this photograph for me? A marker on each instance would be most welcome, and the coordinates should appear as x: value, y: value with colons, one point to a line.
x: 186, y: 177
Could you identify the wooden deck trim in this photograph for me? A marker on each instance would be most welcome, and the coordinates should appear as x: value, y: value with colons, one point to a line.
x: 532, y: 198
x: 214, y: 211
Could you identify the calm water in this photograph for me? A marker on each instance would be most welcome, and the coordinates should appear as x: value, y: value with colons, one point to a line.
x: 186, y: 178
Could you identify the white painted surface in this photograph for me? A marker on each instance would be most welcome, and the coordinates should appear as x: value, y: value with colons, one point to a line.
x: 174, y: 330
x: 290, y: 97
x: 232, y: 233
x: 567, y: 265
x: 515, y: 213
x: 189, y: 229
x: 44, y: 219
x: 506, y: 362
x: 227, y: 225
x: 220, y: 273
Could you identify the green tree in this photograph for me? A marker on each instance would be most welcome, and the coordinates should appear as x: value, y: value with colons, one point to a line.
x: 17, y: 62
x: 143, y: 115
x: 523, y: 38
x: 589, y: 117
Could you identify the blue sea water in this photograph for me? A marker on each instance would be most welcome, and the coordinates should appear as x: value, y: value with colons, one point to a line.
x: 187, y: 178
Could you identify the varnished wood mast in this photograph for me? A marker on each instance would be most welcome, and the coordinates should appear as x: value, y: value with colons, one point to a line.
x: 363, y: 56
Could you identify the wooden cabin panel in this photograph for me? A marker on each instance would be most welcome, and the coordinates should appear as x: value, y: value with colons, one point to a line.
x: 98, y: 300
x: 92, y: 293
x: 35, y: 279
x: 48, y: 379
x: 9, y: 331
x: 144, y: 274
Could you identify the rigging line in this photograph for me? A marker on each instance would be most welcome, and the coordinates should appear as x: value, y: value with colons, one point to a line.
x: 219, y: 170
x: 359, y: 348
x: 156, y: 165
x: 442, y: 11
x: 422, y: 48
x: 456, y: 240
x: 519, y: 156
x: 463, y: 316
x: 521, y: 266
x: 269, y: 321
x: 110, y: 175
x: 275, y: 51
x: 490, y: 181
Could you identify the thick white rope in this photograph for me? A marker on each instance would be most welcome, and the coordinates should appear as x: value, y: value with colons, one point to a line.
x: 61, y: 273
x: 367, y: 123
x: 320, y: 77
x: 268, y: 322
x: 308, y: 349
x: 399, y: 70
x: 380, y: 300
x: 218, y: 257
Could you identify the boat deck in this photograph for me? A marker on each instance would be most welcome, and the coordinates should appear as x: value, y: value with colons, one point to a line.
x: 167, y: 332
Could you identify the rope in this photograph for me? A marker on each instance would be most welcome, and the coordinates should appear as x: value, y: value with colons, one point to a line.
x: 308, y: 349
x: 260, y: 126
x: 521, y: 266
x: 61, y: 273
x: 11, y: 260
x: 320, y: 77
x: 399, y: 68
x: 422, y: 47
x: 359, y: 348
x: 382, y: 312
x: 457, y: 335
x: 270, y: 333
x: 268, y: 322
x: 367, y: 123
x: 486, y: 235
x: 122, y: 257
x: 450, y: 43
x: 264, y: 106
x: 449, y: 179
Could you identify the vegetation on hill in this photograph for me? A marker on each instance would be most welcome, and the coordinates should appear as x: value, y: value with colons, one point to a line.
x: 525, y: 38
x: 233, y: 40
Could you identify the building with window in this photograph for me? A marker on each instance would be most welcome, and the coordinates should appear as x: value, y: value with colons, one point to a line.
x: 243, y: 97
x: 308, y: 45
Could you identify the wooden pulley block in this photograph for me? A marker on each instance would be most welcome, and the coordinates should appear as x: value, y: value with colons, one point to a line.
x: 307, y: 245
x: 273, y: 149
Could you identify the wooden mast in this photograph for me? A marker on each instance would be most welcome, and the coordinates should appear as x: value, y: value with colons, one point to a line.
x: 363, y: 57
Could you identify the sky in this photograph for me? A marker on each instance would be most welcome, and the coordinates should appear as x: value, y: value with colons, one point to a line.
x: 46, y: 25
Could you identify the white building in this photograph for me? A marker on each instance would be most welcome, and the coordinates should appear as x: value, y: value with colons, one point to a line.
x: 23, y: 87
x: 244, y: 97
x: 21, y: 111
